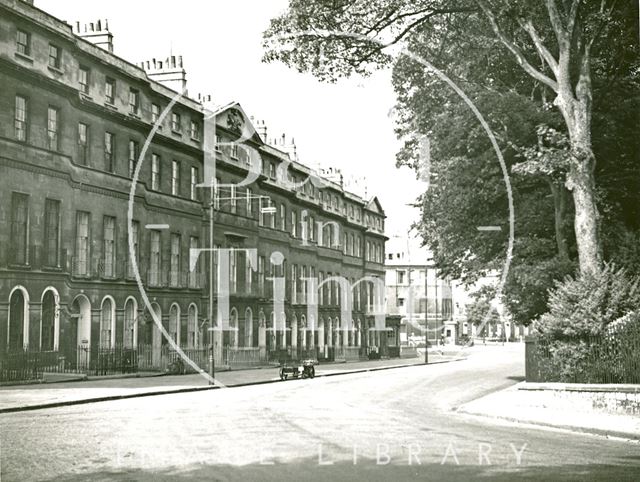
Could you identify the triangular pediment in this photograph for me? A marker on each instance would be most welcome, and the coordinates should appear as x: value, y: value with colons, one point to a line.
x: 232, y: 117
x: 374, y: 206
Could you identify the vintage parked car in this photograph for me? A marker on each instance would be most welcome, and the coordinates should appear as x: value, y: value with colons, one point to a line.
x: 297, y: 368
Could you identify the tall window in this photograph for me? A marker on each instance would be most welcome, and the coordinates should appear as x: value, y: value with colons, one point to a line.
x: 249, y: 202
x: 82, y: 243
x: 233, y: 271
x: 303, y: 285
x: 174, y: 275
x: 216, y: 199
x: 84, y: 79
x: 154, y: 258
x: 216, y: 278
x: 19, y: 227
x: 175, y: 178
x: 176, y: 122
x: 109, y: 246
x: 195, y: 130
x: 110, y: 90
x: 106, y: 324
x: 48, y: 321
x: 194, y: 183
x: 109, y: 147
x: 234, y: 199
x: 134, y: 233
x: 23, y: 42
x: 261, y: 275
x: 21, y: 118
x: 192, y: 327
x: 294, y: 283
x: 272, y: 218
x: 248, y: 275
x: 400, y: 277
x: 155, y: 172
x: 321, y: 289
x: 294, y: 223
x: 51, y: 232
x: 134, y: 150
x: 134, y: 102
x: 193, y: 275
x: 52, y: 128
x: 83, y: 143
x: 283, y: 217
x: 155, y: 112
x: 54, y: 56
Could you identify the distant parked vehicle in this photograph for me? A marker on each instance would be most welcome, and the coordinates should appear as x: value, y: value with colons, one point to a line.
x: 296, y: 369
x: 465, y: 340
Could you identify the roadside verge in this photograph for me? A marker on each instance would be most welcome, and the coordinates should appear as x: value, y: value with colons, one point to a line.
x: 547, y: 407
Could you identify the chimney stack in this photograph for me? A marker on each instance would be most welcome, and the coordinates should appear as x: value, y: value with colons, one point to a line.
x: 262, y: 130
x: 288, y: 147
x: 97, y: 33
x: 169, y: 72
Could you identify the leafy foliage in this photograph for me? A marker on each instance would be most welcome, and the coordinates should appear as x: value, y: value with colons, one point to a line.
x: 584, y: 306
x: 502, y: 54
x: 612, y: 357
x: 481, y: 312
x: 528, y: 284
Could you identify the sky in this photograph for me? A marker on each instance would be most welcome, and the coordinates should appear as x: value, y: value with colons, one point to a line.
x: 345, y: 125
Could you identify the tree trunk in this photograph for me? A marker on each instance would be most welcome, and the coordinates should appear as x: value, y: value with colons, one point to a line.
x: 581, y: 181
x: 559, y: 193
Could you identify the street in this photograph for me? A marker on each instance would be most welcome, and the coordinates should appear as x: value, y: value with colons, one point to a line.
x: 392, y: 424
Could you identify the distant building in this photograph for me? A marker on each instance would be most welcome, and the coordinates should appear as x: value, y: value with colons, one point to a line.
x: 416, y: 294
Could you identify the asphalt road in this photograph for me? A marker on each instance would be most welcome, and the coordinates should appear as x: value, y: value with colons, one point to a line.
x: 388, y: 425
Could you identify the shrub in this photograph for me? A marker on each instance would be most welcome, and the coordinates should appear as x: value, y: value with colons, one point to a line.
x: 583, y: 307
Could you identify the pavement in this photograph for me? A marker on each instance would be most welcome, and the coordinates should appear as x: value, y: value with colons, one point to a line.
x: 49, y: 395
x: 518, y: 405
x: 394, y: 424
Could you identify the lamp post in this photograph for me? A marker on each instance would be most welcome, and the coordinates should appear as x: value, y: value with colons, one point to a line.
x: 426, y: 313
x: 212, y: 363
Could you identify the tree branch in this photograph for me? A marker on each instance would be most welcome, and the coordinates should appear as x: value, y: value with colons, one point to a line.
x: 513, y: 48
x: 540, y: 47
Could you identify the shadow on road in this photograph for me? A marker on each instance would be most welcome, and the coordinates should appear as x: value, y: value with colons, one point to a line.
x: 367, y: 469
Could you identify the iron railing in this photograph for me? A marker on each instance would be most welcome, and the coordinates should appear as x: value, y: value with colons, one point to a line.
x: 32, y: 365
x: 608, y: 358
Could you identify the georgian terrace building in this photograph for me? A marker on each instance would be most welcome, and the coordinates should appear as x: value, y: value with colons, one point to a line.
x: 74, y: 119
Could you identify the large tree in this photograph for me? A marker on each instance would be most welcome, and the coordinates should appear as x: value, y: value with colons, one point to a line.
x: 555, y: 43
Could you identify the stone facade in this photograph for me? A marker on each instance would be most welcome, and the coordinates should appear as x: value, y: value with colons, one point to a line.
x: 74, y: 125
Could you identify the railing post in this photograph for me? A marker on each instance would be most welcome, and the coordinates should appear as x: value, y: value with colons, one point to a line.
x: 531, y: 359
